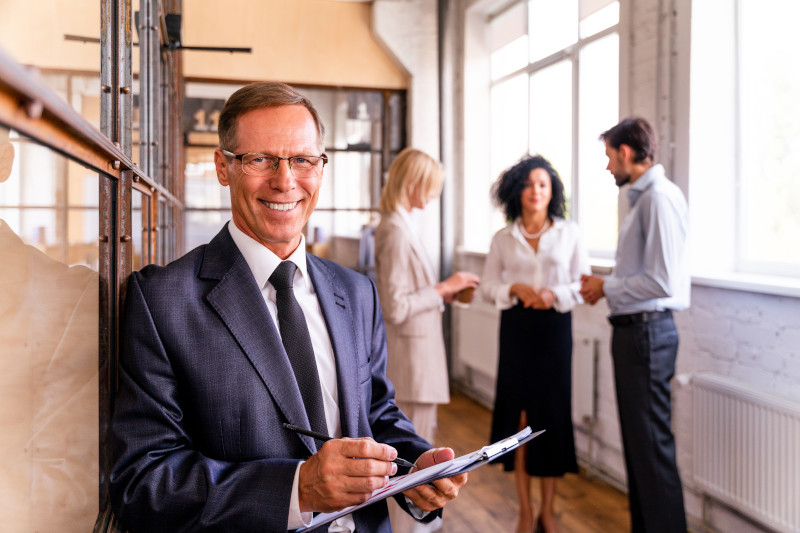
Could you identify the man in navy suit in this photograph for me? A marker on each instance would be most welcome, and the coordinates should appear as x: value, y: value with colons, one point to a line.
x: 205, y: 383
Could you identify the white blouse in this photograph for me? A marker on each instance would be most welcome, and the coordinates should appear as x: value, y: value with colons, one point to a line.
x: 558, y: 265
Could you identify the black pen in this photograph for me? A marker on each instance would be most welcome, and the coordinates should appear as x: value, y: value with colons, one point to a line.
x: 321, y: 437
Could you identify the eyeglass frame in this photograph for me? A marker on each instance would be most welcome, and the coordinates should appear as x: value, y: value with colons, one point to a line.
x: 288, y: 160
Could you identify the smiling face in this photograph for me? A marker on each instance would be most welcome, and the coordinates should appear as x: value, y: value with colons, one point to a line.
x: 272, y: 209
x: 536, y: 196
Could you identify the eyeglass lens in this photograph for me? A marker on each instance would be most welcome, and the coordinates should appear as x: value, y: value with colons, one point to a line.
x: 264, y: 165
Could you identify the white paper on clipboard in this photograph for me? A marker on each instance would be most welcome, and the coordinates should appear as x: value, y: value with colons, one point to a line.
x: 456, y: 466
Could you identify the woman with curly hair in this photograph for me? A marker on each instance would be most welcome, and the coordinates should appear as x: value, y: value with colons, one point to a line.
x: 533, y: 272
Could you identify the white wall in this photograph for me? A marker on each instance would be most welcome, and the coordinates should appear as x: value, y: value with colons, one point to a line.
x: 408, y: 30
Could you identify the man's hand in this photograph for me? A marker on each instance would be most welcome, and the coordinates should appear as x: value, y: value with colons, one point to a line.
x: 591, y: 289
x: 344, y: 472
x: 429, y: 498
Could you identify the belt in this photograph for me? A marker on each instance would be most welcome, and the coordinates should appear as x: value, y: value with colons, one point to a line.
x: 638, y: 318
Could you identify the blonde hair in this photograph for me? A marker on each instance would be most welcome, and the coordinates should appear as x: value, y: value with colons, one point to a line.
x: 411, y: 170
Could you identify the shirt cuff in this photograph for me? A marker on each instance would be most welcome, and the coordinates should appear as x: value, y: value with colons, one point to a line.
x: 415, y: 511
x: 503, y: 300
x: 296, y: 518
x: 612, y: 287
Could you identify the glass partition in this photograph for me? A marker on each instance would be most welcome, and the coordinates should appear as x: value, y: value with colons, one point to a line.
x: 49, y: 309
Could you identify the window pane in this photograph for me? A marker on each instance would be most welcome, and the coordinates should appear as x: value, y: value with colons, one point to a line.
x: 202, y: 188
x: 44, y: 45
x: 599, y: 20
x: 507, y: 26
x: 49, y: 308
x: 599, y: 110
x: 325, y: 224
x: 713, y: 120
x: 551, y: 118
x: 553, y: 26
x: 140, y: 207
x: 509, y: 58
x: 770, y: 134
x: 165, y: 236
x: 348, y: 177
x: 509, y: 123
x: 353, y: 119
x: 397, y: 117
x: 201, y: 226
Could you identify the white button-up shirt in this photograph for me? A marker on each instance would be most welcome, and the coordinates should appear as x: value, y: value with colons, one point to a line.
x: 557, y: 265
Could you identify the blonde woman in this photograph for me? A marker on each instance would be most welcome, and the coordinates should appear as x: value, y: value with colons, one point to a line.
x: 412, y: 299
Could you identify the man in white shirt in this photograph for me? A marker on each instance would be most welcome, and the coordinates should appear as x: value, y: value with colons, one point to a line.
x: 650, y: 280
x: 209, y: 375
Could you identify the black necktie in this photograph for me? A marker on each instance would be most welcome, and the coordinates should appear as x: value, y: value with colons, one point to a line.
x: 297, y: 341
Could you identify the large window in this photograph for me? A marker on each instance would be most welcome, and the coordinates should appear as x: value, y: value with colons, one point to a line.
x: 553, y: 70
x: 744, y: 157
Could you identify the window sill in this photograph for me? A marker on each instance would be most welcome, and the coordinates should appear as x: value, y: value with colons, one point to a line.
x: 756, y: 283
x: 762, y: 284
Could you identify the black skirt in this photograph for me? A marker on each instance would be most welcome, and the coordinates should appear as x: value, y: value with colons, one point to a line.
x: 535, y: 375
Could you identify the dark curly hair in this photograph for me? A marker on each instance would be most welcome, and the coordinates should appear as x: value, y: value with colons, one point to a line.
x: 508, y: 188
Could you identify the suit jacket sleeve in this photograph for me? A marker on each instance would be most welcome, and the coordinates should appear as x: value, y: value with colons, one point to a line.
x: 402, y: 283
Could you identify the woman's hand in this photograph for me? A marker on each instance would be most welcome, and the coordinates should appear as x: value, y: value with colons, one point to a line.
x: 448, y: 288
x: 530, y: 298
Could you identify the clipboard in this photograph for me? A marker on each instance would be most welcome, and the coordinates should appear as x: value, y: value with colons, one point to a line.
x: 459, y: 465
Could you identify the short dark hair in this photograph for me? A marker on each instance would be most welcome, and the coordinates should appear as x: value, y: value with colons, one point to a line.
x: 257, y: 96
x: 508, y: 188
x: 635, y: 132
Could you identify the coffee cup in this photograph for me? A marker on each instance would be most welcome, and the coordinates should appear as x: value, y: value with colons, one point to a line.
x: 465, y: 296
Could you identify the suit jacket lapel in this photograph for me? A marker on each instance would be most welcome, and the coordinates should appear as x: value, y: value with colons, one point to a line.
x: 341, y: 330
x: 238, y: 301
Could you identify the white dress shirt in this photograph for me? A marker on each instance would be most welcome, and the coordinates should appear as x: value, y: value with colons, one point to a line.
x: 652, y: 270
x: 262, y: 263
x: 557, y: 265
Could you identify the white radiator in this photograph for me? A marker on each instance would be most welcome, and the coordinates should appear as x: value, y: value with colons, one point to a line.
x: 747, y: 450
x: 584, y: 375
x: 477, y: 330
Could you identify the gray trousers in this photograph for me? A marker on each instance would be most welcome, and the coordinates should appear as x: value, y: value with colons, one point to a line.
x: 644, y: 353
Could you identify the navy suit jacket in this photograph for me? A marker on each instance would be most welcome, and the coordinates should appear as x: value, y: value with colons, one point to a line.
x: 205, y: 386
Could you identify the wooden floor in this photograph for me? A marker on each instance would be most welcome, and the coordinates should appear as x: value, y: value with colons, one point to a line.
x: 488, y: 502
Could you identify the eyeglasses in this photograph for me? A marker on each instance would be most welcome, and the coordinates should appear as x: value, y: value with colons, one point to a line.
x: 301, y: 166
